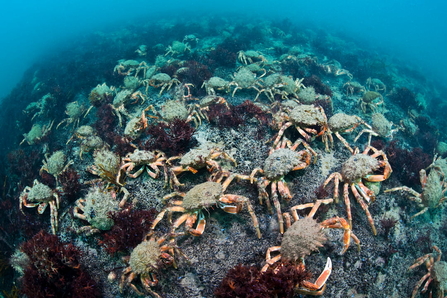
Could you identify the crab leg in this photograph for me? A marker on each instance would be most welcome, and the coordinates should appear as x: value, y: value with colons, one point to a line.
x: 338, y: 135
x: 419, y: 284
x: 269, y: 259
x: 53, y: 214
x: 239, y: 200
x: 341, y: 223
x: 201, y: 223
x: 319, y: 286
x: 366, y: 193
x: 364, y: 207
x: 347, y: 203
x: 281, y: 133
x: 337, y: 178
x: 284, y: 191
x: 277, y: 206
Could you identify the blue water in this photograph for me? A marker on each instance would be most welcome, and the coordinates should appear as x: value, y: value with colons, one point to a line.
x: 411, y: 30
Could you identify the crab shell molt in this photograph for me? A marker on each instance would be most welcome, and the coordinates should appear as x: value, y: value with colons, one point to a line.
x: 281, y: 162
x: 202, y: 196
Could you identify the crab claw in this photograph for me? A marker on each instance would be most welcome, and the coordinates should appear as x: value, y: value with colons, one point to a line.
x: 317, y: 288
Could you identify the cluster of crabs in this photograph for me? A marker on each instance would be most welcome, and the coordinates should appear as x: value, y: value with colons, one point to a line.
x: 185, y: 210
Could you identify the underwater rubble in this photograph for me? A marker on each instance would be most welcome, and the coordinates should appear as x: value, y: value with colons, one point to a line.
x: 224, y: 156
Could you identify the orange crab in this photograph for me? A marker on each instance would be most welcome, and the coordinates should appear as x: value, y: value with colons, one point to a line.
x: 203, y: 197
x: 303, y: 237
x: 145, y: 159
x: 310, y: 121
x: 279, y: 163
x: 369, y: 166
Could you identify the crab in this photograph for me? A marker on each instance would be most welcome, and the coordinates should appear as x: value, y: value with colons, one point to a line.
x: 216, y: 84
x: 370, y: 166
x: 99, y: 93
x: 142, y: 50
x: 37, y: 133
x: 196, y: 159
x: 200, y: 199
x: 89, y: 140
x: 334, y: 67
x: 178, y: 109
x: 120, y: 101
x: 163, y: 81
x: 343, y: 123
x: 190, y: 38
x: 249, y: 57
x: 127, y: 67
x: 279, y: 163
x: 282, y: 85
x: 307, y: 119
x: 137, y: 125
x: 40, y: 196
x: 434, y: 189
x: 204, y: 106
x: 144, y: 158
x: 74, y: 111
x: 145, y: 259
x: 437, y: 273
x: 381, y: 127
x: 55, y: 164
x: 41, y: 108
x: 371, y: 100
x: 302, y: 238
x: 95, y: 208
x: 377, y: 85
x: 255, y: 68
x: 177, y: 48
x: 245, y: 79
x: 353, y: 87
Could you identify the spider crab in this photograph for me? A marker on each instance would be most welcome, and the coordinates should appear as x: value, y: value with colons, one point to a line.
x: 128, y: 67
x: 437, y: 273
x: 145, y: 259
x: 37, y: 133
x: 55, y: 164
x: 40, y: 196
x: 279, y: 163
x: 303, y: 237
x: 376, y: 84
x: 369, y: 166
x: 278, y: 84
x: 177, y: 48
x: 371, y: 100
x: 196, y: 159
x: 163, y: 81
x: 249, y: 57
x: 95, y: 208
x: 74, y: 111
x: 307, y: 119
x: 216, y: 84
x: 343, y: 123
x: 145, y: 159
x: 245, y: 79
x: 434, y: 188
x: 203, y: 197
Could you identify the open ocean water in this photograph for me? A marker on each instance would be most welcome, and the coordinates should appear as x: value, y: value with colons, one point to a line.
x: 183, y: 149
